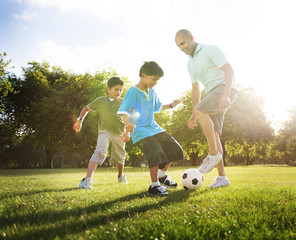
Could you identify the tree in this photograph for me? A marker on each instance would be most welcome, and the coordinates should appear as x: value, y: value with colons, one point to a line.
x: 287, y: 139
x: 192, y: 141
x: 5, y: 85
x: 246, y: 123
x: 44, y: 105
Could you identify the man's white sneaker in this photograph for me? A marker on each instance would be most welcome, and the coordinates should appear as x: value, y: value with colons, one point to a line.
x: 209, y: 163
x: 220, y: 181
x: 122, y: 179
x: 86, y: 183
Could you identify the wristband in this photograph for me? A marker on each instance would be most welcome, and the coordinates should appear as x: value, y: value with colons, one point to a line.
x: 79, y: 119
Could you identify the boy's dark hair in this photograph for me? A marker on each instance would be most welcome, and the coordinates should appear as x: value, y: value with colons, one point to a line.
x: 115, y: 81
x: 151, y: 69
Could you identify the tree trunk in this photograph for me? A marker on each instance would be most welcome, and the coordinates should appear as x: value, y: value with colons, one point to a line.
x: 224, y: 152
x: 49, y: 158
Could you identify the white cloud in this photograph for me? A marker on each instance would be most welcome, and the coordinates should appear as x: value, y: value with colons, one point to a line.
x: 27, y: 15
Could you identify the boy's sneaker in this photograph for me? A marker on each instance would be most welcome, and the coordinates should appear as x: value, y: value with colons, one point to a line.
x: 86, y: 183
x: 122, y: 179
x: 209, y: 163
x: 167, y: 182
x: 220, y: 181
x: 157, y: 190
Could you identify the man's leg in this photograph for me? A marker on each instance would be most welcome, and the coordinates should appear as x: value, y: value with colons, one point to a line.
x: 220, y: 165
x: 214, y: 156
x: 208, y: 129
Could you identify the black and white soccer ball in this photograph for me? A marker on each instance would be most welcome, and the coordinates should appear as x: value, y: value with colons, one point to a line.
x: 192, y: 179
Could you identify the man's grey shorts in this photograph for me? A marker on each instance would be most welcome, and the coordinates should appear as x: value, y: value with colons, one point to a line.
x: 210, y: 105
x: 106, y: 138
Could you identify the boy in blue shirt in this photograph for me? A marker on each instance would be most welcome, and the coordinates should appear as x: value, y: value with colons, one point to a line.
x: 137, y: 110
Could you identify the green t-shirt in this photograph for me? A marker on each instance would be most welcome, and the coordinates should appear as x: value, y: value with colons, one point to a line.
x: 107, y: 109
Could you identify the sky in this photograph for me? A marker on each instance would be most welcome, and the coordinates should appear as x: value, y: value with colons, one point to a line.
x: 258, y: 38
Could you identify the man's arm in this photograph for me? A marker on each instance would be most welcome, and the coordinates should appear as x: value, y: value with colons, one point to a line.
x: 228, y: 76
x: 77, y: 125
x: 195, y: 95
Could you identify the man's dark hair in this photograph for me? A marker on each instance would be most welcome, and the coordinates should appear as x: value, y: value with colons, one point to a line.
x: 115, y: 81
x: 151, y: 69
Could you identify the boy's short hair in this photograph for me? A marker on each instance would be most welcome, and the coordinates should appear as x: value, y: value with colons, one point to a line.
x: 115, y: 81
x: 151, y: 69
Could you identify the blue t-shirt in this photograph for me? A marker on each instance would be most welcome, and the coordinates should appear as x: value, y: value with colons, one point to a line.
x: 140, y: 107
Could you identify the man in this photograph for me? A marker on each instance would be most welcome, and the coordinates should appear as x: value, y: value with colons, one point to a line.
x: 208, y: 65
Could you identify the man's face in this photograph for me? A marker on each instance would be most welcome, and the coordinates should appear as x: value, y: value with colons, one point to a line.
x: 150, y: 81
x: 186, y: 44
x: 115, y: 92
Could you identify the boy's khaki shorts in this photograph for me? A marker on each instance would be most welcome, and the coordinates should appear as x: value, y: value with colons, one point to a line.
x: 210, y: 105
x: 118, y: 153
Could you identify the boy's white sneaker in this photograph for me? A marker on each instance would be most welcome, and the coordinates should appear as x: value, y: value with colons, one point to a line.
x: 220, y: 181
x: 86, y: 183
x: 209, y: 163
x: 122, y: 179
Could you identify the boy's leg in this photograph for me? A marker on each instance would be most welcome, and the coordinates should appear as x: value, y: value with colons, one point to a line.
x: 97, y: 158
x: 154, y: 173
x: 118, y: 155
x: 121, y: 178
x: 120, y: 169
x: 155, y: 188
x: 86, y: 183
x: 92, y: 166
x: 164, y: 179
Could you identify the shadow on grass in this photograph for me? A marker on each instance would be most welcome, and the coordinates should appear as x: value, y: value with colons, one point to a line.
x: 32, y: 192
x: 57, y: 223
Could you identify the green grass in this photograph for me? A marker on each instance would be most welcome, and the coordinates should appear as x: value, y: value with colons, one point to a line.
x: 46, y: 204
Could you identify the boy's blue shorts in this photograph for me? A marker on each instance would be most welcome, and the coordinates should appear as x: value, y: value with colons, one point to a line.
x: 161, y: 149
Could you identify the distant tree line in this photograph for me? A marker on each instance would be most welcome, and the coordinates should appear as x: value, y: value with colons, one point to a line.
x: 37, y: 111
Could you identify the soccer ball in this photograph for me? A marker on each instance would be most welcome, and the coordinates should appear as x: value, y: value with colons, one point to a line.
x: 191, y: 179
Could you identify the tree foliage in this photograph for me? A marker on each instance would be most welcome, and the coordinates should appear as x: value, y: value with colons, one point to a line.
x: 38, y: 110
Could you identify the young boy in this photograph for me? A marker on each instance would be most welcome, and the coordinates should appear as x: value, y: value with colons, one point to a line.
x: 111, y: 129
x: 137, y: 110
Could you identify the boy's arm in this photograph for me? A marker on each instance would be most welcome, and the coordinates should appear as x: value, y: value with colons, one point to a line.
x: 78, y: 124
x: 129, y: 128
x: 171, y: 105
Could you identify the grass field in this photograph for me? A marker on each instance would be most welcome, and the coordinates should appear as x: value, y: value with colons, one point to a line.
x: 46, y: 204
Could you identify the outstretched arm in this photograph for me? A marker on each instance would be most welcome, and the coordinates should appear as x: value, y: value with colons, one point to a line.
x: 171, y: 105
x: 78, y: 124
